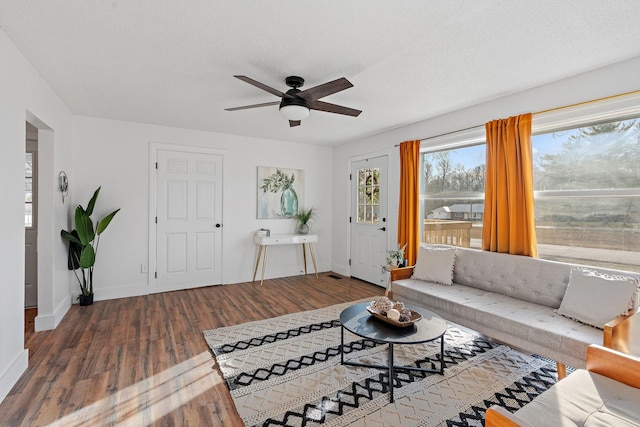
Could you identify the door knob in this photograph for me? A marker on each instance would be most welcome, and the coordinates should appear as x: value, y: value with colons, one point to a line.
x: 383, y: 228
x: 218, y: 225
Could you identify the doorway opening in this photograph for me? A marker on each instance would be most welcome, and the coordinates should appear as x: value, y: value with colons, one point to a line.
x: 31, y: 228
x: 49, y: 311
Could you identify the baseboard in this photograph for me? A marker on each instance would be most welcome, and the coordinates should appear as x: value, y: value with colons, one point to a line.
x: 13, y: 373
x: 180, y: 287
x: 238, y: 277
x: 274, y: 273
x: 46, y: 322
x: 345, y: 270
x: 120, y: 292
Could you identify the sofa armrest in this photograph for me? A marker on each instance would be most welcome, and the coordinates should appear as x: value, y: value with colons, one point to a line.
x: 497, y: 416
x: 401, y: 273
x: 618, y: 332
x: 613, y: 364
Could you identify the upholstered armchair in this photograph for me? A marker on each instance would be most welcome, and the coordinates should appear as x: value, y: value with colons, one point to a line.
x: 606, y: 393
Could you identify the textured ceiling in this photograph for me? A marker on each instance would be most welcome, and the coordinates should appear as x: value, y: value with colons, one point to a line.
x: 172, y: 62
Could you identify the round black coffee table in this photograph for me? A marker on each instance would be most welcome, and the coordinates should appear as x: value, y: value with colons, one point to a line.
x: 357, y: 320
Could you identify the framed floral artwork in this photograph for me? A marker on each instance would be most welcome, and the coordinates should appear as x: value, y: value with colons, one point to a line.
x: 280, y: 192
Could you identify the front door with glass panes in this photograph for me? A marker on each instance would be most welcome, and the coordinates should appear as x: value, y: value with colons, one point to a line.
x: 30, y: 225
x: 369, y: 224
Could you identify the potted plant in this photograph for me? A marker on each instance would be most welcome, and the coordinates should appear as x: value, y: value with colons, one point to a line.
x: 395, y: 258
x: 83, y: 246
x: 302, y: 219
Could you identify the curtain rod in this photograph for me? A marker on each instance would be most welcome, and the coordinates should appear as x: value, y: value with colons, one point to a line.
x: 577, y: 104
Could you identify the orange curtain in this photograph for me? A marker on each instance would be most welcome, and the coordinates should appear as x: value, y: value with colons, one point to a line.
x: 509, y: 223
x: 409, y: 203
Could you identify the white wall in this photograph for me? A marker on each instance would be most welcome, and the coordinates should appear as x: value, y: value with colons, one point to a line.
x: 115, y: 155
x: 26, y: 97
x: 608, y: 81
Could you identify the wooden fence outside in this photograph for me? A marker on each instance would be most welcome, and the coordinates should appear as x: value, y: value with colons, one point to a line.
x: 455, y: 233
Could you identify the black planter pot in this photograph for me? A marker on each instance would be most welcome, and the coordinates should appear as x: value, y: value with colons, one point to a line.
x: 86, y: 299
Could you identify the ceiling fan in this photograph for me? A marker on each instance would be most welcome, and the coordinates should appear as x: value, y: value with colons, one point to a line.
x: 296, y: 103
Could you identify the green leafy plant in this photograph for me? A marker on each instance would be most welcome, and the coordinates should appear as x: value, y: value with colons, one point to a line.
x: 394, y: 257
x: 83, y: 243
x: 303, y: 217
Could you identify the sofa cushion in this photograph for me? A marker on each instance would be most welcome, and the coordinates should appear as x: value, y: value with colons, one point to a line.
x: 541, y: 328
x: 435, y: 264
x: 529, y: 279
x: 595, y: 298
x: 584, y: 399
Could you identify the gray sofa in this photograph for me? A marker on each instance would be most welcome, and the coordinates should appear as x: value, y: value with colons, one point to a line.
x: 508, y: 298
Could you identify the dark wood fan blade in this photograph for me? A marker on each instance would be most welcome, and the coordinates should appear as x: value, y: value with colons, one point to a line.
x: 246, y: 107
x: 293, y: 123
x: 325, y: 89
x: 333, y: 108
x: 262, y: 86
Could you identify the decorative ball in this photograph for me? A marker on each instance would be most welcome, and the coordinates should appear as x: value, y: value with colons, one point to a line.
x: 381, y: 305
x: 405, y: 315
x: 375, y: 304
x: 398, y: 306
x: 393, y: 314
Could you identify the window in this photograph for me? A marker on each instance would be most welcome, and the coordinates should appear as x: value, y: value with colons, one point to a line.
x: 28, y: 190
x: 453, y: 196
x: 587, y: 194
x: 586, y: 182
x: 368, y: 195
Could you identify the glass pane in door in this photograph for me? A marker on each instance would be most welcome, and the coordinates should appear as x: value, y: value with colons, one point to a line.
x: 368, y: 196
x: 28, y: 190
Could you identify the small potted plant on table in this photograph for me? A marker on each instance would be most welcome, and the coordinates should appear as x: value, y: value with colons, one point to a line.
x: 302, y: 219
x: 395, y: 259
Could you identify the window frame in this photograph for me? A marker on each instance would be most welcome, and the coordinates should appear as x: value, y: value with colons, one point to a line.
x: 615, y: 108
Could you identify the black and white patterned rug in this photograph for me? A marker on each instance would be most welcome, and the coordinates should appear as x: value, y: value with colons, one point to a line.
x: 286, y: 371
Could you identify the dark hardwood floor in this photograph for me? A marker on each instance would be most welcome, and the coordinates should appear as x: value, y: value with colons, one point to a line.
x: 143, y: 360
x: 29, y: 322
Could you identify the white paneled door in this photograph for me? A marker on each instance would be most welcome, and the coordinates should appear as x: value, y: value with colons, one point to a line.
x: 369, y: 219
x: 189, y: 220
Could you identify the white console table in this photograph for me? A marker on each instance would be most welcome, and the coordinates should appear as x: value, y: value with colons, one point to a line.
x: 264, y: 242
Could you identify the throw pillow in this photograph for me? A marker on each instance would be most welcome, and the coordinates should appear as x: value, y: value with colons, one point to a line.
x: 435, y: 265
x: 595, y: 298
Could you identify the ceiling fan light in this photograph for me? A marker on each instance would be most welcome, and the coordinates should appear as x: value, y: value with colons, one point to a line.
x: 294, y: 112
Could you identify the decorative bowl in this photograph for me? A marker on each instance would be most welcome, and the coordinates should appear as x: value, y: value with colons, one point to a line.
x: 415, y: 317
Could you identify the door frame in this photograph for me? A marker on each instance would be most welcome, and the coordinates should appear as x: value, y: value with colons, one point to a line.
x: 154, y: 147
x: 50, y: 310
x: 392, y: 209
